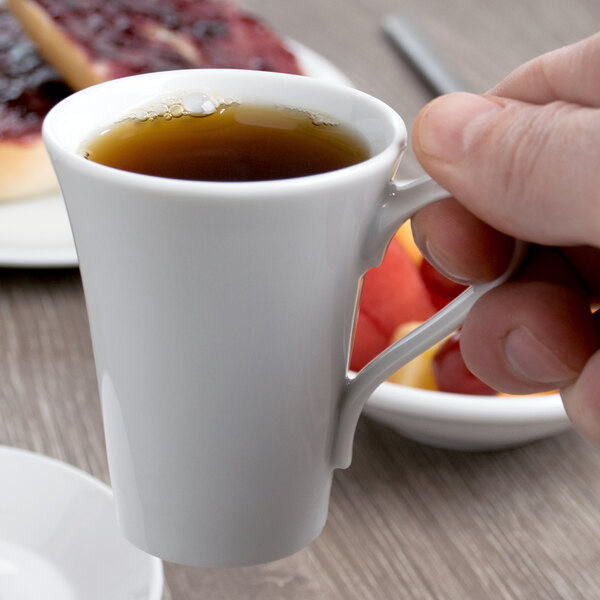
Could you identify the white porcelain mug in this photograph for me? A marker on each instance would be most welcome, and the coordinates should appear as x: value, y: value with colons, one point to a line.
x: 222, y: 317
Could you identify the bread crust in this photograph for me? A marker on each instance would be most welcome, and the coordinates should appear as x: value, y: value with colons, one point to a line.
x: 26, y: 169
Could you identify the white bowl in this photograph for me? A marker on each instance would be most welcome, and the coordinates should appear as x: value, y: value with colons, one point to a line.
x: 467, y: 422
x: 59, y: 538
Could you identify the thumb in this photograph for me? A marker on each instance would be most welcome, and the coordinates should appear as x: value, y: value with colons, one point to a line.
x: 527, y: 170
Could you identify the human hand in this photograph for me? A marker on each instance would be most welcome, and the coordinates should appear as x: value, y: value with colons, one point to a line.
x: 522, y: 161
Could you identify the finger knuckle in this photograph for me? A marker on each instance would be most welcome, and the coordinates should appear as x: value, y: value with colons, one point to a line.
x: 525, y: 143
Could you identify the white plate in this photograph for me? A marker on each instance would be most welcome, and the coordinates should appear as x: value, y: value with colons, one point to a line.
x: 36, y: 233
x: 59, y: 538
x: 464, y: 422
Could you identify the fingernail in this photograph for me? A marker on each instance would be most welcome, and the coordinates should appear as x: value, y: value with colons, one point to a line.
x: 532, y: 361
x: 445, y: 264
x: 451, y: 123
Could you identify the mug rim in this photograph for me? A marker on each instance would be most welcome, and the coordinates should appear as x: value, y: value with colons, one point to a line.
x: 392, y: 151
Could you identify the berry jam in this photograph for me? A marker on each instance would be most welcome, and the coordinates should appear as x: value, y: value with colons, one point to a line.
x: 29, y: 87
x: 139, y: 36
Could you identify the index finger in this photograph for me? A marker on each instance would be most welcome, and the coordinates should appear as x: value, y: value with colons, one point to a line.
x: 569, y: 74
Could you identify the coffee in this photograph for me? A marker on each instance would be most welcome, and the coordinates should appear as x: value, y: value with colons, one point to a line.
x: 233, y: 142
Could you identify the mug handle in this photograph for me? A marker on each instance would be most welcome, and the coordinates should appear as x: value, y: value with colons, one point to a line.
x: 402, y: 202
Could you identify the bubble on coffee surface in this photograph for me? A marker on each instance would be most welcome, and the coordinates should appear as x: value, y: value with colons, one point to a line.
x: 193, y: 103
x: 316, y: 118
x: 199, y: 104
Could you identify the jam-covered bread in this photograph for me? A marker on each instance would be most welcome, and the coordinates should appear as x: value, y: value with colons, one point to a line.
x: 89, y: 41
x: 29, y: 87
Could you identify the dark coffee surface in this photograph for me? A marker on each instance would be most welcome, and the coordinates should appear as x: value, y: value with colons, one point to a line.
x: 238, y: 142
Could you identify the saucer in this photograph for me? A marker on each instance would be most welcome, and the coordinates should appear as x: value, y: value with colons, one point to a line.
x: 59, y: 538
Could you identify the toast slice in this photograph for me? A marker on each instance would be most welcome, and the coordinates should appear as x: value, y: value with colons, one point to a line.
x: 93, y: 40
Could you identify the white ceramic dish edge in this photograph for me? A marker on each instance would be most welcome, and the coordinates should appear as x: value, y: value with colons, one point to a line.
x: 30, y: 462
x: 463, y: 422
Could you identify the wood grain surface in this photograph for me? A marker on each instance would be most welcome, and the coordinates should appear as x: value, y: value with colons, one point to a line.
x: 406, y: 520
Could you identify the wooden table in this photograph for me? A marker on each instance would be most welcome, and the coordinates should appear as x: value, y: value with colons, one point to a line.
x: 406, y: 520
